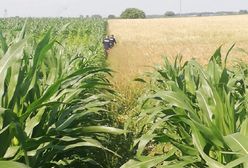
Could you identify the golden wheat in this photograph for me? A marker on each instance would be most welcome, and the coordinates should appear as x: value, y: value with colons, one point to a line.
x: 143, y: 42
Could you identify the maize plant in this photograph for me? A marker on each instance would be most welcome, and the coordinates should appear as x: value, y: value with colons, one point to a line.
x: 193, y: 116
x: 53, y: 94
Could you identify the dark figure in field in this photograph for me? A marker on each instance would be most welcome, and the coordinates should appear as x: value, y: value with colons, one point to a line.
x: 112, y: 41
x: 106, y: 45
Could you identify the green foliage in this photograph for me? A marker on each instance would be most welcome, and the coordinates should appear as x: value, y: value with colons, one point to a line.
x: 56, y: 102
x: 170, y: 13
x: 200, y: 113
x: 133, y: 13
x: 111, y: 16
x: 54, y: 94
x: 8, y: 164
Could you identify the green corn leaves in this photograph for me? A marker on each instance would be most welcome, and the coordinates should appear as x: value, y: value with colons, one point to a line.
x: 206, y: 114
x: 8, y: 164
x: 11, y: 61
x: 4, y: 44
x: 54, y: 95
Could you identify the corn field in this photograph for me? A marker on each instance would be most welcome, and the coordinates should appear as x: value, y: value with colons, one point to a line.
x: 58, y: 108
x: 54, y: 93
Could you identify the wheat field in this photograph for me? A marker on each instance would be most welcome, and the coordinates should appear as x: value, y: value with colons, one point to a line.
x: 142, y: 43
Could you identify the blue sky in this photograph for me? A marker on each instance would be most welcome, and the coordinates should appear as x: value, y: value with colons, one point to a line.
x: 41, y: 8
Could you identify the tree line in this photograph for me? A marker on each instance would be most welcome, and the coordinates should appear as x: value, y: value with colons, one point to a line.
x: 135, y: 13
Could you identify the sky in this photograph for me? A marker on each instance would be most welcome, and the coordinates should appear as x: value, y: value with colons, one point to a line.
x: 75, y: 8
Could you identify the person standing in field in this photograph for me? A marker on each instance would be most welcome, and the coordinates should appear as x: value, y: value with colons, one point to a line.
x: 112, y: 41
x: 106, y: 44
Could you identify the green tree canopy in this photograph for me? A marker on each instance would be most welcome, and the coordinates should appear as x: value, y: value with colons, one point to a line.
x: 133, y: 13
x: 111, y: 16
x: 169, y: 13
